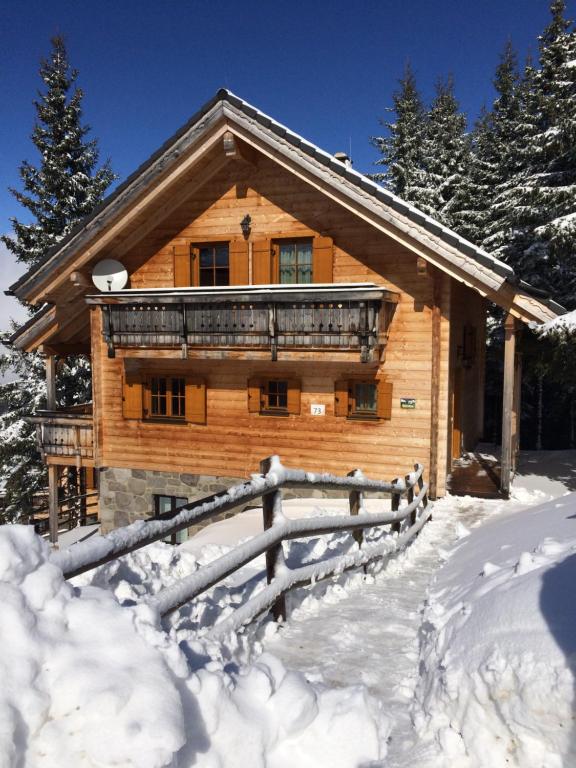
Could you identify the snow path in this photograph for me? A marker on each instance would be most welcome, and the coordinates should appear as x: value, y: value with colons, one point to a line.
x: 370, y: 634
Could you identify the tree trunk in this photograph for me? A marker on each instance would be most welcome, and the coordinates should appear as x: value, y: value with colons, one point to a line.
x: 539, y: 412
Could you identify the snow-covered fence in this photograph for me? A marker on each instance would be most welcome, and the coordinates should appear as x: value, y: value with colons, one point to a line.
x: 404, y: 521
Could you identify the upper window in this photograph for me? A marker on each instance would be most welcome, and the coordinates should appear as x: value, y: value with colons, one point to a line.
x: 295, y: 261
x: 214, y: 268
x: 274, y: 397
x: 364, y: 399
x: 167, y: 397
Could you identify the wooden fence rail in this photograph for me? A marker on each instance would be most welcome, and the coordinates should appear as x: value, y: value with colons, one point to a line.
x: 404, y: 521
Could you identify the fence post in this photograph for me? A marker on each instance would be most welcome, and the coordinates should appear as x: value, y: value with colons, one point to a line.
x: 356, y: 499
x: 272, y: 510
x: 395, y: 506
x: 410, y: 498
x: 420, y: 486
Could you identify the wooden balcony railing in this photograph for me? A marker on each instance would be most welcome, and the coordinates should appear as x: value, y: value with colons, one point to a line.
x: 271, y: 317
x: 67, y: 434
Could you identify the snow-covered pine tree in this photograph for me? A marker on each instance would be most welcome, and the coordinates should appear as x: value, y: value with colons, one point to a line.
x: 59, y: 192
x: 532, y: 224
x: 67, y: 184
x: 446, y: 154
x: 401, y: 147
x: 492, y: 162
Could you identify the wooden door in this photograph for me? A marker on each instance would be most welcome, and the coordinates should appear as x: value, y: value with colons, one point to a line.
x: 457, y: 415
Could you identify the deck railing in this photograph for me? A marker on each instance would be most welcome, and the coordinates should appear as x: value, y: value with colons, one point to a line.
x: 65, y: 433
x: 341, y: 325
x: 401, y: 523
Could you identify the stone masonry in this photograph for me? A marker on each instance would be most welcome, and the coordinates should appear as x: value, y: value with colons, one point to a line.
x: 127, y: 495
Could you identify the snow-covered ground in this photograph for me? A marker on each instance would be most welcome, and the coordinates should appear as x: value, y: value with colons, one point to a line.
x: 458, y: 653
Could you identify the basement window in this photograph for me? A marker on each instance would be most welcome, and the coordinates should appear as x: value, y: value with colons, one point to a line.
x: 165, y: 508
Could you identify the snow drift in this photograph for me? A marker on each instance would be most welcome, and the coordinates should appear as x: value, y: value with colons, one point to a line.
x: 499, y: 645
x: 89, y: 682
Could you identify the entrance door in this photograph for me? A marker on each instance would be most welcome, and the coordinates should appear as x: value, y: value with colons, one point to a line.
x: 457, y: 415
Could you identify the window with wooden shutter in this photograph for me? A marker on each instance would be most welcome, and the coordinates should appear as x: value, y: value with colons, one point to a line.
x: 261, y: 263
x: 274, y: 397
x: 384, y: 405
x: 182, y: 267
x: 323, y: 260
x: 363, y: 399
x: 195, y: 401
x: 132, y: 395
x: 212, y: 264
x: 239, y: 262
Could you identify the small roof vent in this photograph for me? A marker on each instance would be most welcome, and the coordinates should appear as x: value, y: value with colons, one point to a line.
x: 343, y: 158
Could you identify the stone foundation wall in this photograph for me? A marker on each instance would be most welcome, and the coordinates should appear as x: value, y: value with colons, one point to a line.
x: 127, y: 495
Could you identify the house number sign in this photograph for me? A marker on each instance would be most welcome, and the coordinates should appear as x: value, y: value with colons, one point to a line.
x: 318, y: 410
x: 408, y: 402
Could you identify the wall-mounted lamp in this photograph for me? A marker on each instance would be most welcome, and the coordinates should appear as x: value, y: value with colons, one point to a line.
x: 245, y: 226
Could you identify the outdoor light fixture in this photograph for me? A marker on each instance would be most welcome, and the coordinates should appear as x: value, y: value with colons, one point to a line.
x: 245, y: 225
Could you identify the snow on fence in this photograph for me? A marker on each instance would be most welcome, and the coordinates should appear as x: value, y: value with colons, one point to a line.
x: 405, y: 522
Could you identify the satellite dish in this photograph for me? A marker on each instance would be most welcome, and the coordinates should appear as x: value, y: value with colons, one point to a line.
x: 109, y: 275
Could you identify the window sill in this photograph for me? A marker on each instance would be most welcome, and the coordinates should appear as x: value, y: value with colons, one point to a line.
x: 363, y: 417
x: 163, y: 420
x: 274, y: 413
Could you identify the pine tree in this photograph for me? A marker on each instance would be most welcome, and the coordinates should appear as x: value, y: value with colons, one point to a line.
x: 59, y: 192
x: 401, y: 148
x: 66, y: 186
x: 446, y: 154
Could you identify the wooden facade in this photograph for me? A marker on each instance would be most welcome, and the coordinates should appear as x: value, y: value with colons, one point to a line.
x: 417, y: 332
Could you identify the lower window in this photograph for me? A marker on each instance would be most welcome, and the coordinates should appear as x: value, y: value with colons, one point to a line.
x: 167, y: 397
x: 364, y: 399
x: 165, y: 508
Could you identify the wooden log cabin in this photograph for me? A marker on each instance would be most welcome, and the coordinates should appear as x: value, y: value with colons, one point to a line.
x: 278, y: 302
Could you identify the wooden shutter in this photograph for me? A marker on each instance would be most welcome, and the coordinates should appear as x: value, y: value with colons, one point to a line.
x: 254, y: 395
x: 132, y: 395
x: 293, y: 396
x: 195, y: 401
x: 384, y: 404
x: 262, y: 263
x: 238, y: 255
x: 195, y: 266
x: 322, y: 260
x: 182, y: 277
x: 341, y: 398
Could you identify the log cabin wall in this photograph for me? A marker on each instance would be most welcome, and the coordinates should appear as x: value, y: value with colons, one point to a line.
x: 233, y: 441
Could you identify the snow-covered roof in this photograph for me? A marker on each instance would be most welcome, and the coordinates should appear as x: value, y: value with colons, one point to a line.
x: 466, y: 261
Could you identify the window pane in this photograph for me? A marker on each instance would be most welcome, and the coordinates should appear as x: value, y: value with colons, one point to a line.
x: 221, y: 255
x: 158, y: 396
x: 304, y: 253
x: 222, y: 277
x: 206, y: 257
x: 305, y: 273
x: 178, y: 397
x: 206, y: 276
x: 287, y: 275
x: 287, y: 254
x: 164, y: 504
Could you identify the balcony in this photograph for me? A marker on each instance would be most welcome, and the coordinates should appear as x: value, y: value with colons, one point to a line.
x: 338, y: 318
x: 66, y: 437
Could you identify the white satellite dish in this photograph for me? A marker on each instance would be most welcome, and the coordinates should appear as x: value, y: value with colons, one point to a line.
x: 109, y: 275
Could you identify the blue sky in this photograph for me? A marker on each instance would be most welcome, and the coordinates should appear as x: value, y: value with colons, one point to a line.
x: 325, y: 69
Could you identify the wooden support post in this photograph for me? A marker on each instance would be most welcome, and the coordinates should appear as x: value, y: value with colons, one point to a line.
x: 435, y: 384
x: 272, y: 509
x: 53, y: 503
x: 356, y: 499
x: 51, y: 382
x: 82, y: 493
x: 395, y: 506
x: 508, y: 403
